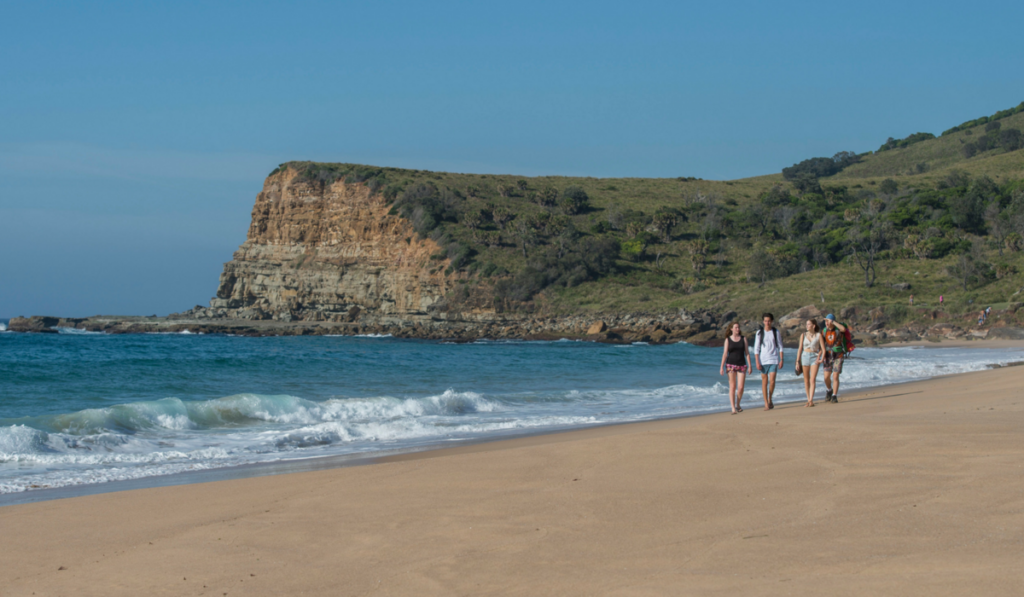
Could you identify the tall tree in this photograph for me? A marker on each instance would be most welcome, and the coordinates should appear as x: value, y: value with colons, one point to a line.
x: 868, y: 238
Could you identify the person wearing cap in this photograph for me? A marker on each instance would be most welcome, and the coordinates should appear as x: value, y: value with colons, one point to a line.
x: 768, y: 354
x: 835, y: 353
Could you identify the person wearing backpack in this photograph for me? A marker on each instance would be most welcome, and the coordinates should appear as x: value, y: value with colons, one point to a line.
x: 838, y: 344
x: 768, y: 354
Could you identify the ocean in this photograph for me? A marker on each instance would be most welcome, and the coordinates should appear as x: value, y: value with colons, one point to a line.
x: 80, y: 409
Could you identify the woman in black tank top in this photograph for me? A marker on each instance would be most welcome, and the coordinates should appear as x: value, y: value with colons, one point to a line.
x: 735, y: 359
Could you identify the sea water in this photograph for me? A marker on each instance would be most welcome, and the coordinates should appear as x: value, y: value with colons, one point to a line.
x: 86, y: 408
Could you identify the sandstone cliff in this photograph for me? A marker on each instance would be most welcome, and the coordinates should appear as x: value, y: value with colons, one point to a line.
x: 330, y: 252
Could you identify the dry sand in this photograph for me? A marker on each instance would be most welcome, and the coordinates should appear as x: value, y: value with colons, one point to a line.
x: 915, y: 489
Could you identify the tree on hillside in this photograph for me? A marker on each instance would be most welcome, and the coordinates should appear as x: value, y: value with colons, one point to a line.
x: 954, y: 179
x: 761, y: 266
x: 525, y: 232
x: 970, y: 266
x: 813, y: 167
x: 806, y: 183
x: 501, y: 216
x: 547, y: 197
x: 711, y: 225
x: 574, y: 200
x: 758, y: 218
x: 998, y: 223
x: 791, y: 220
x: 663, y: 223
x: 473, y: 219
x: 1011, y: 140
x: 698, y: 251
x: 776, y: 196
x: 868, y: 238
x: 968, y: 209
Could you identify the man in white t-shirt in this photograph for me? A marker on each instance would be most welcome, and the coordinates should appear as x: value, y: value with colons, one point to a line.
x: 768, y: 356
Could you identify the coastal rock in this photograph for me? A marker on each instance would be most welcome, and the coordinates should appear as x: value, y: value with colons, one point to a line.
x: 330, y: 252
x: 708, y: 338
x: 597, y: 328
x: 37, y: 323
x: 1005, y: 333
x: 794, y: 322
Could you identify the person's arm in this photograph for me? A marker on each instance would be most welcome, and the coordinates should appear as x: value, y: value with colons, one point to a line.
x: 800, y: 346
x: 782, y: 359
x: 725, y: 353
x: 821, y: 348
x: 839, y: 326
x: 757, y: 350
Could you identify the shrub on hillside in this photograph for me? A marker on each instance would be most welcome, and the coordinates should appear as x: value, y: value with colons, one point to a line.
x: 587, y: 259
x: 427, y: 207
x: 813, y: 168
x: 1011, y: 140
x: 574, y: 200
x: 820, y: 167
x: 984, y: 119
x: 889, y: 186
x: 891, y: 143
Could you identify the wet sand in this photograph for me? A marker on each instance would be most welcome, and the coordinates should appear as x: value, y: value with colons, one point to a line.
x: 916, y: 489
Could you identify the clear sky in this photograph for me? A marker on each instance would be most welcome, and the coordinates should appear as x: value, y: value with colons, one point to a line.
x: 134, y: 136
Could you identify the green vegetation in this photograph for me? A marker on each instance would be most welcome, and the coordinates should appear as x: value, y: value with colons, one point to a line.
x: 851, y: 230
x: 905, y: 142
x: 985, y: 119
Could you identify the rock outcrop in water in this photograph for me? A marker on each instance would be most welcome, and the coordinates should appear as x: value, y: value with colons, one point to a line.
x: 329, y: 253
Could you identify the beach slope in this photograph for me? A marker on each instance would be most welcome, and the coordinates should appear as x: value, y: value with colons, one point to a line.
x: 915, y: 489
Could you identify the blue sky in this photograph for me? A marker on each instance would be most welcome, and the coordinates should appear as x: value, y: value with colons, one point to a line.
x: 134, y: 136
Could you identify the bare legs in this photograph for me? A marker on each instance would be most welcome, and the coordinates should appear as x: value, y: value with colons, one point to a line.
x: 736, y: 381
x: 810, y: 381
x: 832, y: 383
x: 768, y: 390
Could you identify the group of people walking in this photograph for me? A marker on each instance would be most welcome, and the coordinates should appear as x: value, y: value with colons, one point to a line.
x: 818, y: 347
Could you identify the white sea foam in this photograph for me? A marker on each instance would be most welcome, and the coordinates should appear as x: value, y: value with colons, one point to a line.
x: 78, y: 332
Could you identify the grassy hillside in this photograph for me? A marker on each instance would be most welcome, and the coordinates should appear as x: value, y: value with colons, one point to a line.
x: 928, y: 161
x: 921, y: 211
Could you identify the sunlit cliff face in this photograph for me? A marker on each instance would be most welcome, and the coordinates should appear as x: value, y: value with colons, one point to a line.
x: 328, y: 253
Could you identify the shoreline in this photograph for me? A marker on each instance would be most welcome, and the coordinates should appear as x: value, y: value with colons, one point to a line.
x: 289, y: 466
x: 994, y: 337
x: 700, y: 328
x: 902, y: 489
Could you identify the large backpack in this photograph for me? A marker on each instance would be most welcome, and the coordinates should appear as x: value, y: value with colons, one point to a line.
x: 845, y: 343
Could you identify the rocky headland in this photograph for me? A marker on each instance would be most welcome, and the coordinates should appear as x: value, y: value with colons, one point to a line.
x: 332, y: 257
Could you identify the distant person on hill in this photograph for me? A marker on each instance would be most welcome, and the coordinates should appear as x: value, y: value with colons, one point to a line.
x: 834, y: 338
x: 768, y: 353
x: 940, y: 301
x: 911, y: 300
x: 735, y: 359
x: 809, y: 356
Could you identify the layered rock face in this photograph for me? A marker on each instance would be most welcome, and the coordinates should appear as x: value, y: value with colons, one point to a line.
x: 318, y: 252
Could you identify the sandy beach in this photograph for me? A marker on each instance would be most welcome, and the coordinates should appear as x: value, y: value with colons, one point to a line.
x: 915, y: 489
